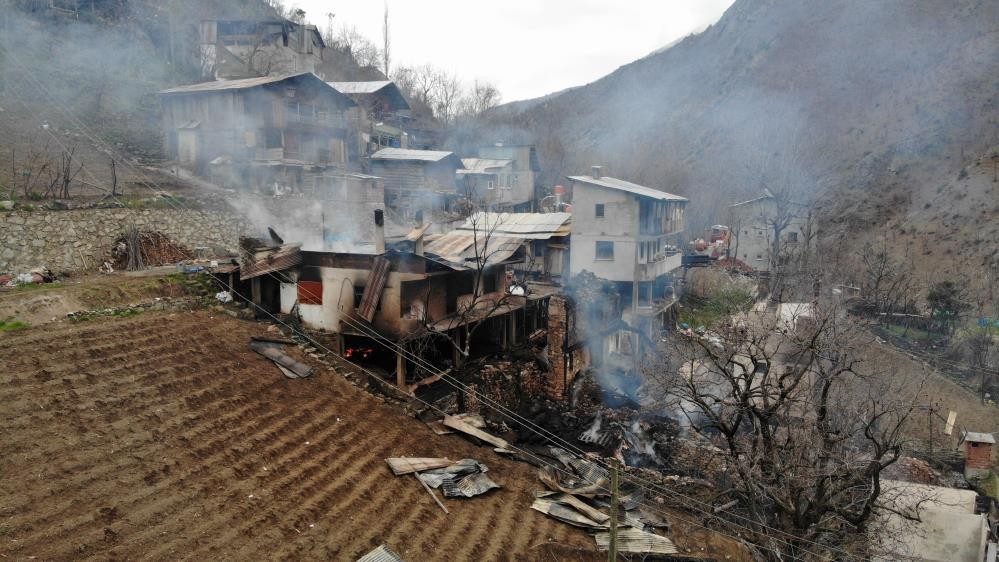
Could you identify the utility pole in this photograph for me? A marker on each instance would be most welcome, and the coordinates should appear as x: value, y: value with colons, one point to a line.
x: 612, y: 547
x: 386, y: 43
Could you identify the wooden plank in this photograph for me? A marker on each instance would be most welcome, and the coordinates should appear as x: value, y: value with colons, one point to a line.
x: 373, y: 290
x: 468, y: 429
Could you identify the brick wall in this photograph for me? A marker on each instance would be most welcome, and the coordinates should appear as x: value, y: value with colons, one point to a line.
x: 566, y: 362
x: 978, y: 455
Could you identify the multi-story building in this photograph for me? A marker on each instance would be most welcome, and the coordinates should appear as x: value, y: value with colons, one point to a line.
x: 629, y: 235
x: 769, y: 231
x: 275, y: 134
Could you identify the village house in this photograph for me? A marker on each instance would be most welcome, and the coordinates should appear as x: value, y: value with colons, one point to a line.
x: 233, y: 49
x: 384, y: 115
x: 629, y: 235
x: 275, y: 135
x: 502, y: 178
x: 753, y: 225
x: 545, y: 237
x: 417, y: 181
x: 451, y: 289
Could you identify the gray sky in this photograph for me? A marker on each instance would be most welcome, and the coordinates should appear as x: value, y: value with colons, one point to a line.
x: 528, y: 48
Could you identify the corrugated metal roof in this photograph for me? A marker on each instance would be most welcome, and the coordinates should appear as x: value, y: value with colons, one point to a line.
x: 458, y: 248
x: 239, y: 84
x: 244, y: 83
x: 621, y: 185
x: 360, y: 87
x: 637, y: 541
x: 533, y: 226
x: 411, y: 154
x: 482, y: 165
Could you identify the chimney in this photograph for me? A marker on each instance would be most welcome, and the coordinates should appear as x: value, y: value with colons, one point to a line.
x: 559, y: 193
x: 379, y: 231
x: 595, y: 172
x: 418, y: 243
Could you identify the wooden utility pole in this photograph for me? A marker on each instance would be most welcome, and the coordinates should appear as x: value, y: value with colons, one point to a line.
x: 612, y: 547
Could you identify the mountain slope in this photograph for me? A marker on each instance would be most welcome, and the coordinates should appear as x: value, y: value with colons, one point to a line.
x: 870, y: 106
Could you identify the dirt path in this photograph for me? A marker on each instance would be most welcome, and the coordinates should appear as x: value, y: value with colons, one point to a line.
x: 162, y: 437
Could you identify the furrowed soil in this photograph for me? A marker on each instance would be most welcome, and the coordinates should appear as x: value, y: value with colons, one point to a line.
x: 162, y: 437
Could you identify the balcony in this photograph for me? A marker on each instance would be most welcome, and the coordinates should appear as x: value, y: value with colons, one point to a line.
x: 660, y: 265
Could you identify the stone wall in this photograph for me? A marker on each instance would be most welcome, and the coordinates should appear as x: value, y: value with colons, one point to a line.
x: 79, y: 240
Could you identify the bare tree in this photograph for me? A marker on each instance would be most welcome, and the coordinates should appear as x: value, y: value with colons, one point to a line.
x: 804, y: 415
x: 480, y: 98
x: 475, y: 309
x: 350, y: 40
x: 887, y: 283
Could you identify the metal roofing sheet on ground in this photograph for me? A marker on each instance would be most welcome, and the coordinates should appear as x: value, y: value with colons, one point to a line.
x: 638, y: 542
x: 521, y: 225
x: 411, y: 154
x: 621, y: 185
x: 381, y: 554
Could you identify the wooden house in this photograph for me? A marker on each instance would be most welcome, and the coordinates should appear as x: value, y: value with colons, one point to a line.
x: 273, y: 134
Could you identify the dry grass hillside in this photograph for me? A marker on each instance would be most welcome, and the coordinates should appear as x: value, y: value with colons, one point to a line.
x: 873, y: 108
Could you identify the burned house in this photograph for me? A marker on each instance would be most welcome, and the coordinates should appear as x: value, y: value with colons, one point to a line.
x: 417, y: 180
x: 234, y: 49
x: 385, y: 115
x: 628, y: 235
x: 502, y: 178
x: 754, y: 224
x: 544, y: 235
x: 275, y: 135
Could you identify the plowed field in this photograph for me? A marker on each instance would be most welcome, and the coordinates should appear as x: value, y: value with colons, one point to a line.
x: 162, y: 437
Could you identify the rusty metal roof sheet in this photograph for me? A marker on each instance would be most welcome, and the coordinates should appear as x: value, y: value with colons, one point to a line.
x: 269, y: 260
x: 621, y: 185
x: 533, y: 226
x: 411, y: 154
x: 468, y: 250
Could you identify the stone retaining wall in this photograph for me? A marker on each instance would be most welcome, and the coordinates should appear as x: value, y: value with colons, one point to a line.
x: 80, y: 240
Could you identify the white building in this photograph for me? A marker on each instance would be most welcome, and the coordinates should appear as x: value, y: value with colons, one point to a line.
x: 630, y: 235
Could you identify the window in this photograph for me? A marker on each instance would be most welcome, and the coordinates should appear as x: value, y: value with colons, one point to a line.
x: 599, y: 211
x: 792, y: 236
x: 605, y: 251
x: 272, y: 138
x: 310, y: 292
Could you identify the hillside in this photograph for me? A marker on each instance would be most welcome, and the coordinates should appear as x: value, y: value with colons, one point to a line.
x: 83, y: 75
x: 873, y: 108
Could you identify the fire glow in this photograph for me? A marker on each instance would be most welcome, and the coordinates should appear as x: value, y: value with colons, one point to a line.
x: 359, y: 352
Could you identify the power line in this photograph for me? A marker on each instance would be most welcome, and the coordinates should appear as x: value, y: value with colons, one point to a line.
x: 499, y: 408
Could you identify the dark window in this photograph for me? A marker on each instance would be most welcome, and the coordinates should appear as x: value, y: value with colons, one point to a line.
x: 599, y: 211
x: 272, y: 138
x: 605, y: 251
x: 792, y: 236
x: 488, y: 282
